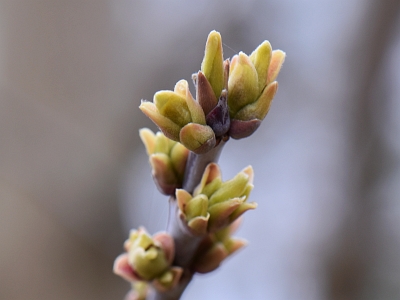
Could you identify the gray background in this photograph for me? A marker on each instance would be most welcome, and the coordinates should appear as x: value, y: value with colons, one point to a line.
x: 74, y: 176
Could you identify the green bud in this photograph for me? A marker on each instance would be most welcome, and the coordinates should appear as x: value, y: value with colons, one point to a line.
x: 242, y: 84
x: 182, y: 198
x: 245, y: 206
x: 178, y: 156
x: 196, y: 112
x: 168, y: 127
x: 224, y: 198
x: 212, y: 65
x: 215, y: 248
x: 180, y: 118
x: 259, y: 109
x: 162, y: 170
x: 148, y: 138
x: 277, y: 59
x: 145, y: 257
x: 211, y: 172
x: 173, y: 106
x: 167, y: 159
x: 220, y: 212
x: 261, y: 58
x: 168, y: 279
x: 248, y: 105
x: 139, y: 238
x: 230, y: 189
x: 148, y: 263
x: 162, y: 144
x: 193, y: 211
x: 197, y: 138
x: 196, y: 207
x: 212, y: 187
x: 230, y: 244
x: 198, y: 225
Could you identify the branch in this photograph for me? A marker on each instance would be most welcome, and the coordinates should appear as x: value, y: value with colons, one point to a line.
x: 186, y: 243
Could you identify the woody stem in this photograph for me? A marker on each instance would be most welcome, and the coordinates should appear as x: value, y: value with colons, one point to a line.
x: 186, y: 243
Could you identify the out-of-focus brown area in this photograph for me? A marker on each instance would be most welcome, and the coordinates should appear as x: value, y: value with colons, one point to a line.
x: 74, y: 177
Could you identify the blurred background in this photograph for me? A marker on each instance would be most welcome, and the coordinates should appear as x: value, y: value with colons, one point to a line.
x: 74, y: 176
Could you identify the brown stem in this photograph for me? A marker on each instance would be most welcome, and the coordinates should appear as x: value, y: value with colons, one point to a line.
x: 186, y: 243
x: 196, y: 165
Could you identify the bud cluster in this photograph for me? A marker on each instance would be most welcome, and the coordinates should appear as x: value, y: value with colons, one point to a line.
x: 232, y: 97
x: 252, y: 87
x: 216, y: 204
x: 148, y: 259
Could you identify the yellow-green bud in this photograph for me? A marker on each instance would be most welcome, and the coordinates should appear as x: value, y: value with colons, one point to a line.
x: 180, y: 118
x: 193, y: 210
x: 178, y: 156
x: 215, y: 248
x: 212, y: 65
x: 216, y: 204
x: 251, y: 88
x: 220, y: 213
x: 277, y: 59
x: 197, y: 138
x: 196, y: 112
x: 261, y: 58
x: 173, y: 106
x: 197, y: 207
x: 230, y: 189
x: 146, y: 258
x: 167, y: 159
x: 167, y: 126
x: 168, y: 280
x: 242, y: 83
x: 259, y: 109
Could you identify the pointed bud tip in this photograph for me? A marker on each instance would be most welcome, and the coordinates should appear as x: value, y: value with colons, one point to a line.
x: 148, y: 138
x: 277, y: 59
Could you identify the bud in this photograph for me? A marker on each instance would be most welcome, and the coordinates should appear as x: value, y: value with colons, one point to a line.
x: 216, y: 204
x: 167, y: 159
x: 261, y: 58
x: 212, y: 65
x: 167, y: 126
x: 215, y: 248
x: 242, y: 83
x: 181, y: 118
x: 277, y: 59
x: 169, y: 279
x: 193, y: 211
x: 227, y: 200
x: 197, y: 138
x: 241, y: 129
x: 145, y: 256
x: 259, y: 109
x: 173, y: 106
x: 252, y: 87
x: 148, y: 259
